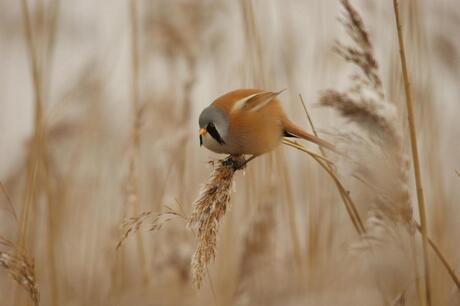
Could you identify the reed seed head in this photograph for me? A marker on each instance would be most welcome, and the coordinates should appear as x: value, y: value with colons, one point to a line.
x: 20, y: 267
x: 207, y: 214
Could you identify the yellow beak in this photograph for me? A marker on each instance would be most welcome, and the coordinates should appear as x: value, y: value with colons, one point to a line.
x: 203, y: 131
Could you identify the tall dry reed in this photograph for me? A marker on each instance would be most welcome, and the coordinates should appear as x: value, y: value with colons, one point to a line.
x: 288, y: 239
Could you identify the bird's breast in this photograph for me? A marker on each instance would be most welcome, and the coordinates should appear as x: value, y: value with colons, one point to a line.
x: 211, y: 144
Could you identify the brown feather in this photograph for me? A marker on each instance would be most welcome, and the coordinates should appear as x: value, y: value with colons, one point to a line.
x: 294, y: 130
x: 260, y: 100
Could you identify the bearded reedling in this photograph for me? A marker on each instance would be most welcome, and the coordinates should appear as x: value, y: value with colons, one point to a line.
x: 249, y: 121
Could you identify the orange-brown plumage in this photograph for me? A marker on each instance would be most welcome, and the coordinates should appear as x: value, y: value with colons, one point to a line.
x: 249, y: 121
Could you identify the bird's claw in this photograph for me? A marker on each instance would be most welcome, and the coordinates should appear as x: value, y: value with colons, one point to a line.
x: 236, y: 162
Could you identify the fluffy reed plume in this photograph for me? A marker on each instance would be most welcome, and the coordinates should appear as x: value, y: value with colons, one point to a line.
x: 9, y: 207
x: 367, y: 109
x: 20, y: 267
x: 390, y: 224
x: 383, y: 166
x: 207, y: 214
x: 362, y: 54
x: 364, y: 104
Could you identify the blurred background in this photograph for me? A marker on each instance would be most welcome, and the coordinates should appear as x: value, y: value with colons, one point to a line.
x: 111, y: 92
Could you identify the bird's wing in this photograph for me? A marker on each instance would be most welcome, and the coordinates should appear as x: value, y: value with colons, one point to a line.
x: 255, y: 102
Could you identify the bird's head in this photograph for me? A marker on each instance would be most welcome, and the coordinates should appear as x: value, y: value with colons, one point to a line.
x: 214, y: 122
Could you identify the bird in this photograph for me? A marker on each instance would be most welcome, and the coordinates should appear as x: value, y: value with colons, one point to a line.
x: 249, y: 122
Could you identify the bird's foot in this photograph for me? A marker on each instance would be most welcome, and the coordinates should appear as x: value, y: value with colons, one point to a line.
x: 236, y: 162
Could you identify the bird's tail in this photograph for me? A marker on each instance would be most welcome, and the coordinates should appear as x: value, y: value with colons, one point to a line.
x: 291, y: 130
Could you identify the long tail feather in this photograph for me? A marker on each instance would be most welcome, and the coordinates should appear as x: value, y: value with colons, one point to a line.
x: 290, y: 129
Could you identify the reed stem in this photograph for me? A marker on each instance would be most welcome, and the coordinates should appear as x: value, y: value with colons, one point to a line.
x: 443, y: 259
x: 135, y: 137
x: 415, y: 156
x: 349, y: 204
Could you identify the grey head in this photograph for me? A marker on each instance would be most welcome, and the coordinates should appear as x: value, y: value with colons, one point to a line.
x: 215, y: 122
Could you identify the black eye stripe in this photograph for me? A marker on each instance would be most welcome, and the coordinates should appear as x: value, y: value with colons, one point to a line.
x: 214, y: 133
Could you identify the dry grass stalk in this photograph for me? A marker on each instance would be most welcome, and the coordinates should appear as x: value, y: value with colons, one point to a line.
x: 415, y: 157
x: 37, y: 163
x: 255, y: 54
x: 207, y: 214
x: 132, y: 194
x: 331, y: 169
x: 20, y: 267
x: 443, y: 259
x: 314, y: 215
x: 9, y: 202
x: 347, y: 199
x: 310, y: 121
x: 344, y: 194
x: 285, y: 184
x: 35, y: 151
x: 133, y: 224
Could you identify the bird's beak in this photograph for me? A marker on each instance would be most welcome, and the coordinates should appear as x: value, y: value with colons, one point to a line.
x: 202, y: 132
